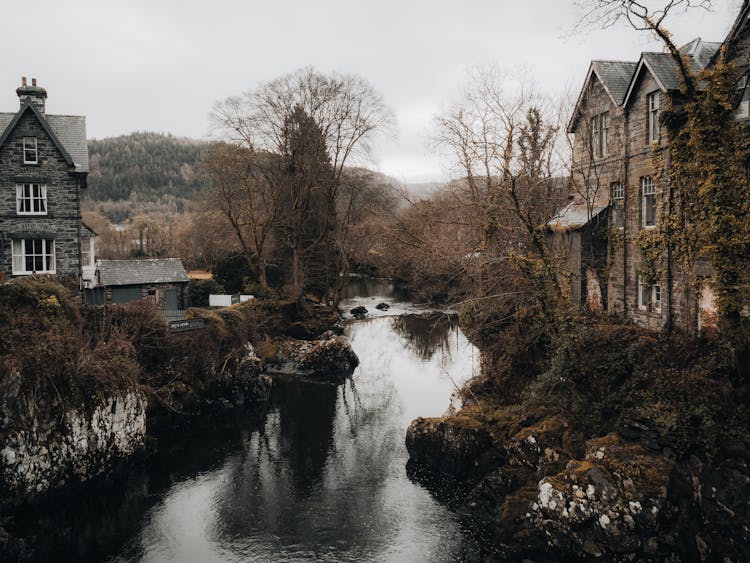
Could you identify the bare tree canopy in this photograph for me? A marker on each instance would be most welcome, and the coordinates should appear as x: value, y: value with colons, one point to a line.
x: 643, y: 15
x: 347, y: 109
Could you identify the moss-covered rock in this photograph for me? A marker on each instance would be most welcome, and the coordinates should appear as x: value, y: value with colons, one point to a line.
x: 459, y: 445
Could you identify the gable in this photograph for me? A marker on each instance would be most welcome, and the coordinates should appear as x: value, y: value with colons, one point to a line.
x: 612, y: 76
x: 67, y: 133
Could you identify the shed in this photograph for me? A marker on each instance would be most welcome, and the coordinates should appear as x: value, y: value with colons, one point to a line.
x: 162, y: 280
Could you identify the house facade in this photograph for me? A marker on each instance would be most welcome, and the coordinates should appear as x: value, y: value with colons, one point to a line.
x: 43, y: 167
x: 621, y: 150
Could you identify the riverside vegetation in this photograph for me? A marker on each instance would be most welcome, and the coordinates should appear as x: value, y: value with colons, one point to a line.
x: 103, y: 381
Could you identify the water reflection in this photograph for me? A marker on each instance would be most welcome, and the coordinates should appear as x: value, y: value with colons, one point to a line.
x: 427, y: 333
x: 374, y: 287
x: 322, y: 477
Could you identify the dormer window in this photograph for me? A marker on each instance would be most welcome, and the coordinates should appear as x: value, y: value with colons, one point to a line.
x: 652, y: 103
x: 30, y: 153
x: 31, y: 199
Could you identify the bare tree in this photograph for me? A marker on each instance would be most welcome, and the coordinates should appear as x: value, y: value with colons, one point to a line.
x: 240, y: 192
x: 346, y: 110
x: 504, y: 148
x: 644, y: 15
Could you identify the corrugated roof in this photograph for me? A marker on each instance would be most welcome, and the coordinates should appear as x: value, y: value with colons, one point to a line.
x: 70, y: 130
x: 576, y: 214
x: 615, y: 75
x: 137, y: 272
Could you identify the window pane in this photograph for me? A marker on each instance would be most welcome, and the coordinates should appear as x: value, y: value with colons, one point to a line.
x: 644, y: 294
x: 29, y: 263
x: 650, y: 211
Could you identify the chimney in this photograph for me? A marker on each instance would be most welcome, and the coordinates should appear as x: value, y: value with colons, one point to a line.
x: 33, y: 93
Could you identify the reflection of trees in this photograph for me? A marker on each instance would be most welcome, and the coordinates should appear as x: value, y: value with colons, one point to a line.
x: 108, y: 519
x: 307, y: 431
x: 372, y: 287
x: 424, y: 334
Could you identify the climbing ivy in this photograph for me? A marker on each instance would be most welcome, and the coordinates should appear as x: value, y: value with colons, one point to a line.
x: 708, y: 199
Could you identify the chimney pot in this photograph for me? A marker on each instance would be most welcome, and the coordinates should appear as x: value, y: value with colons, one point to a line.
x: 23, y: 81
x: 33, y: 81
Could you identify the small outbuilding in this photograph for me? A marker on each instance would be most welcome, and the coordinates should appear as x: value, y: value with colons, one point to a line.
x: 163, y: 280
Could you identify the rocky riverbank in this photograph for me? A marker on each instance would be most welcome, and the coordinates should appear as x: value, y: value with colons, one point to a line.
x: 109, y: 378
x: 605, y: 452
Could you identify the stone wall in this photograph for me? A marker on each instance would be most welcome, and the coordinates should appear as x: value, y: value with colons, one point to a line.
x: 593, y: 176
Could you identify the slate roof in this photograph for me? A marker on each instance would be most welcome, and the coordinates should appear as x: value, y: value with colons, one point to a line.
x: 70, y: 130
x: 615, y: 77
x: 664, y: 70
x: 139, y: 272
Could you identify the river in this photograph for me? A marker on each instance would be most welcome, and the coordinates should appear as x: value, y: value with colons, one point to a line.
x: 319, y: 476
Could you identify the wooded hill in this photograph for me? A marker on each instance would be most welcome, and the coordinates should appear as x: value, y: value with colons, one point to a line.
x: 146, y: 164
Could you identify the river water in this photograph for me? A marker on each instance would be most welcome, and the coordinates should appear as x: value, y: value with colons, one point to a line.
x: 320, y: 476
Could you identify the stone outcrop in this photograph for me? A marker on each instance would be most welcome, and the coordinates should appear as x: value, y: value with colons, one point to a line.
x: 48, y: 450
x: 534, y: 494
x: 330, y: 359
x: 458, y: 446
x: 244, y: 385
x: 611, y: 502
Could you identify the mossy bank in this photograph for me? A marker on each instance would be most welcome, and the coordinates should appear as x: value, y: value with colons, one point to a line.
x: 599, y: 439
x: 83, y: 388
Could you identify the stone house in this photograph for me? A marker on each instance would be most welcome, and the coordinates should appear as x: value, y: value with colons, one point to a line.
x: 619, y: 145
x: 43, y: 167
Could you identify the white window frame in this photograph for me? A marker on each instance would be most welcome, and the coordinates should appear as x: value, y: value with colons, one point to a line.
x: 42, y: 256
x: 617, y: 195
x: 31, y: 199
x: 654, y: 297
x: 30, y: 147
x: 648, y: 189
x: 652, y: 105
x: 604, y: 132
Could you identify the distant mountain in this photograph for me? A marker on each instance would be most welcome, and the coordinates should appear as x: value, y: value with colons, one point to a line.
x: 148, y: 165
x: 423, y: 190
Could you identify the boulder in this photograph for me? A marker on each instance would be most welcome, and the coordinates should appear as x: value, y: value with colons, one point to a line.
x: 242, y: 385
x: 359, y: 312
x: 330, y: 359
x: 608, y: 504
x: 459, y: 446
x: 382, y: 306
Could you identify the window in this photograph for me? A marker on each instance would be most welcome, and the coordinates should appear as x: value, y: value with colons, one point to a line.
x: 743, y: 109
x: 33, y: 256
x: 652, y: 102
x: 600, y: 135
x: 648, y: 202
x: 649, y: 296
x: 595, y: 136
x: 31, y: 199
x: 30, y: 153
x: 617, y: 191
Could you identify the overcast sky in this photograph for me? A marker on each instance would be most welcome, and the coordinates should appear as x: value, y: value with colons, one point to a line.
x: 160, y: 65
